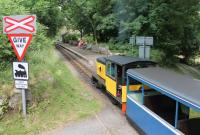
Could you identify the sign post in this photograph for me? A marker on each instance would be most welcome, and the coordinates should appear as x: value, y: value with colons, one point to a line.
x: 144, y: 46
x: 21, y: 76
x: 24, y: 102
x: 19, y: 29
x: 132, y: 41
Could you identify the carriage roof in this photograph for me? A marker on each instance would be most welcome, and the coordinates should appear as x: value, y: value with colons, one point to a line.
x: 182, y: 88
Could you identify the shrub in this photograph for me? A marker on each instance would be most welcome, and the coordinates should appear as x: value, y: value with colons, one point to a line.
x: 69, y: 37
x: 88, y: 39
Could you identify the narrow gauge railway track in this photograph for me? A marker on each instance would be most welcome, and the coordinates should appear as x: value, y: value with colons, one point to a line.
x: 76, y: 62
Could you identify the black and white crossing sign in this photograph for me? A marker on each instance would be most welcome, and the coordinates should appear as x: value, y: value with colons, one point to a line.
x: 149, y: 41
x: 144, y: 41
x: 20, y: 70
x: 21, y: 84
x: 140, y: 40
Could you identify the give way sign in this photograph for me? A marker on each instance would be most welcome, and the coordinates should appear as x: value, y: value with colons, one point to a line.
x: 20, y: 43
x: 25, y: 24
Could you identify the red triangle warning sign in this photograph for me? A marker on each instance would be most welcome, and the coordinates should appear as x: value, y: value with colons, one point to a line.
x: 20, y: 43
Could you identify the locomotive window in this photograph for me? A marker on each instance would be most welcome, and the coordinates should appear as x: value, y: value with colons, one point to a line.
x: 111, y: 70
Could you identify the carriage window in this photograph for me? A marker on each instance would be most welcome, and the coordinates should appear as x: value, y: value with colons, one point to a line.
x: 111, y: 70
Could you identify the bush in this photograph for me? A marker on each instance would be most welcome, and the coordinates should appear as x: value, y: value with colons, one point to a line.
x: 123, y: 48
x: 156, y: 55
x: 69, y: 37
x: 88, y: 39
x: 119, y: 46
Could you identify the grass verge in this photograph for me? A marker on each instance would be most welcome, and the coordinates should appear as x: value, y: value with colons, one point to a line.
x: 57, y: 97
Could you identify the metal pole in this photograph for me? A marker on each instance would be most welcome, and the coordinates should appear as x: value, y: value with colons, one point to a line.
x: 132, y: 45
x: 132, y: 48
x: 24, y: 102
x: 144, y: 52
x: 127, y: 84
x: 176, y: 115
x: 143, y: 94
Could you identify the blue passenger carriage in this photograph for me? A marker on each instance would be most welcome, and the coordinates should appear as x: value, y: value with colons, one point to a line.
x: 168, y: 108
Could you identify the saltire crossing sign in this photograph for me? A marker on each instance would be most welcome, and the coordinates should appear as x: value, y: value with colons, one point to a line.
x: 19, y: 24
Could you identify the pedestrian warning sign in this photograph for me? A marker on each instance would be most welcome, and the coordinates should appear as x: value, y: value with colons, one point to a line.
x: 20, y: 43
x: 20, y: 70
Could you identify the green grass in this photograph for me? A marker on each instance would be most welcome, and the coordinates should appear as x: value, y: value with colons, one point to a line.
x: 58, y: 97
x: 6, y: 81
x: 194, y: 114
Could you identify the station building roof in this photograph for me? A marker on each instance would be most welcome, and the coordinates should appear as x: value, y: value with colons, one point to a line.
x: 182, y: 88
x: 124, y: 60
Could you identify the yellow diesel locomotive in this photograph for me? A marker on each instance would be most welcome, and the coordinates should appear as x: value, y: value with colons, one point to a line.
x: 111, y: 74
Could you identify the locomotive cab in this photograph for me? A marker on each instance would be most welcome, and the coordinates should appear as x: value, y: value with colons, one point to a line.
x: 111, y: 73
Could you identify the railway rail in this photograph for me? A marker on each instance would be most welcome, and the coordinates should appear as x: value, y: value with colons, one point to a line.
x: 77, y: 61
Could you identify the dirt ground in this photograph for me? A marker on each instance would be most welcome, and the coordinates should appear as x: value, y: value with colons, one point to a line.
x: 109, y: 121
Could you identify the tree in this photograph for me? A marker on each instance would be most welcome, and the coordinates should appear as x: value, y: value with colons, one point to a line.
x: 48, y: 13
x: 172, y: 23
x: 92, y: 16
x: 75, y: 17
x: 132, y: 16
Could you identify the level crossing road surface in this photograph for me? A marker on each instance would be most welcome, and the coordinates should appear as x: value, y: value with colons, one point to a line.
x: 109, y: 121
